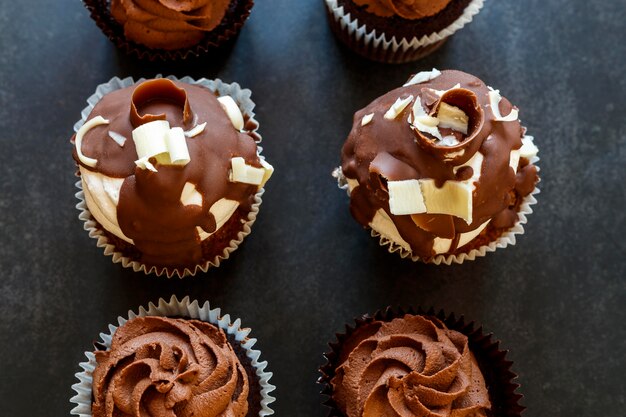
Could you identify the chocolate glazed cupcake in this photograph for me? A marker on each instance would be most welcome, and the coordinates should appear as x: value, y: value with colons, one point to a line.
x: 169, y: 29
x: 171, y: 172
x: 418, y: 363
x: 440, y: 169
x: 177, y: 358
x: 396, y: 31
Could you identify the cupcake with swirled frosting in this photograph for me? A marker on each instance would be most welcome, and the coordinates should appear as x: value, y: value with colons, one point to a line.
x: 415, y: 365
x: 195, y: 362
x: 396, y: 31
x: 169, y: 29
x: 159, y: 366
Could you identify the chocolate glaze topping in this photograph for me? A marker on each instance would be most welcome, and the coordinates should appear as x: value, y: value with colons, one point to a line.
x: 164, y: 367
x: 390, y: 150
x: 410, y: 366
x: 150, y: 211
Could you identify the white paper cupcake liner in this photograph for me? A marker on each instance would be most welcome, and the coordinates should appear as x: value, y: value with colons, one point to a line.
x: 507, y: 238
x: 394, y: 49
x: 175, y: 308
x: 246, y: 105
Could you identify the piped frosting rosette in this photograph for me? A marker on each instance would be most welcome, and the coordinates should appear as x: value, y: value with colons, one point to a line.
x: 417, y: 363
x: 169, y: 29
x: 441, y: 169
x: 374, y: 43
x: 171, y: 194
x: 176, y: 358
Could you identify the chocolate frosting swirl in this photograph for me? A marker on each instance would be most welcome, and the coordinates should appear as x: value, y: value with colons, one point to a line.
x: 162, y: 367
x: 150, y: 211
x: 390, y: 150
x: 168, y: 24
x: 407, y: 9
x: 410, y: 366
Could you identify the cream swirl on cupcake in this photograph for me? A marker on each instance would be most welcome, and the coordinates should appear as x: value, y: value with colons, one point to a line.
x: 166, y: 367
x: 407, y: 9
x: 168, y: 24
x: 410, y: 366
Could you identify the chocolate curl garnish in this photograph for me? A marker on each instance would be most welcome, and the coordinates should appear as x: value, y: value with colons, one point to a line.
x: 159, y: 89
x: 457, y: 154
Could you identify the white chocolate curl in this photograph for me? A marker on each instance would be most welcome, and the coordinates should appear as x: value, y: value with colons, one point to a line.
x: 397, y: 107
x: 90, y: 124
x: 247, y: 174
x: 232, y: 111
x: 494, y: 101
x: 156, y: 139
x: 367, y: 119
x: 422, y: 77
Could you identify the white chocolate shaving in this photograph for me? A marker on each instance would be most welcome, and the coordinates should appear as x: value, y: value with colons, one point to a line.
x: 452, y: 117
x: 397, y: 107
x: 177, y: 146
x: 494, y: 102
x: 195, y: 131
x: 269, y: 170
x: 232, y: 111
x: 156, y: 139
x: 454, y: 198
x: 144, y: 163
x: 405, y: 197
x: 149, y: 139
x: 119, y: 139
x: 421, y: 121
x: 247, y: 174
x: 422, y: 77
x: 367, y: 119
x: 90, y: 124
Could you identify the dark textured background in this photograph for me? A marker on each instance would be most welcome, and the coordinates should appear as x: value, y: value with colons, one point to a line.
x: 557, y: 299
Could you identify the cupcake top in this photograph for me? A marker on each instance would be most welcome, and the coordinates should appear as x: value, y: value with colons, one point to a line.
x: 168, y: 24
x: 431, y: 164
x: 407, y: 9
x: 409, y: 366
x: 192, y: 162
x: 159, y: 366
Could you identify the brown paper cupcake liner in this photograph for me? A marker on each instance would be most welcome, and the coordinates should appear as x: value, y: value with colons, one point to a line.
x: 496, y: 369
x: 224, y: 34
x: 117, y: 248
x: 238, y: 336
x: 379, y: 46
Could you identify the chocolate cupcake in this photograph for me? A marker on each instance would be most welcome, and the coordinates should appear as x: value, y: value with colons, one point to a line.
x: 171, y: 172
x: 177, y: 359
x: 440, y: 169
x: 396, y: 31
x: 169, y: 29
x: 418, y: 364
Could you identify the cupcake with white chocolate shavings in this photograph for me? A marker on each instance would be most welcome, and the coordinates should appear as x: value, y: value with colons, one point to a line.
x: 171, y: 172
x: 441, y: 170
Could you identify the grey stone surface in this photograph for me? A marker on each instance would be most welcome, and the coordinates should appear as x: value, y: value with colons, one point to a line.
x: 557, y: 299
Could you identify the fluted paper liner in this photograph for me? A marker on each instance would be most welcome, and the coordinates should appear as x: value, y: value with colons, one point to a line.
x: 505, y: 239
x: 175, y: 308
x: 227, y: 31
x: 496, y: 369
x: 246, y: 105
x: 378, y: 46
